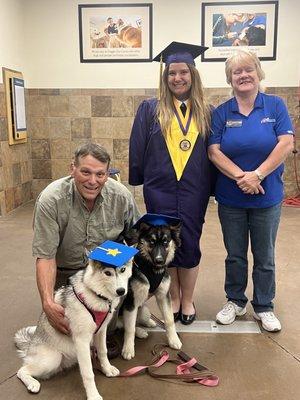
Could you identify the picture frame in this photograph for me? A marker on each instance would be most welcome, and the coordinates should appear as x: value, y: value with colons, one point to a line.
x: 251, y: 24
x: 115, y: 32
x: 14, y: 88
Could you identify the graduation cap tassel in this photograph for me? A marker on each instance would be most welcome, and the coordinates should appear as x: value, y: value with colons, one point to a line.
x: 160, y: 76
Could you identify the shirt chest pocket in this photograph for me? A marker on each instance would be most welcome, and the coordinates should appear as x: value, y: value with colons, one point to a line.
x: 108, y: 223
x: 99, y: 231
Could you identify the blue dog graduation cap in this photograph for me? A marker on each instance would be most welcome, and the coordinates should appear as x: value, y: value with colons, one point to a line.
x: 178, y: 52
x: 113, y: 254
x: 157, y: 219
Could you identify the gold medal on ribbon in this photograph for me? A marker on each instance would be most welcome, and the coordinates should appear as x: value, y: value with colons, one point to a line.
x: 185, y: 145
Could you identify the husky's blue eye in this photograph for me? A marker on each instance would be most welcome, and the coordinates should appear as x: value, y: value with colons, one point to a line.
x: 152, y: 242
x: 108, y: 273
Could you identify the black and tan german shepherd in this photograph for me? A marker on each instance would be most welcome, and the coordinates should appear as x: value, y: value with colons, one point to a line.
x: 156, y: 245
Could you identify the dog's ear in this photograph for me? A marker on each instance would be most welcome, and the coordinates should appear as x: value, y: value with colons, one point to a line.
x: 96, y: 265
x: 175, y: 233
x: 132, y: 237
x: 144, y: 227
x: 86, y: 254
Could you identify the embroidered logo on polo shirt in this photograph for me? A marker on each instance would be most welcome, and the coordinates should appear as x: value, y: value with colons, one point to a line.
x: 267, y: 119
x: 234, y: 123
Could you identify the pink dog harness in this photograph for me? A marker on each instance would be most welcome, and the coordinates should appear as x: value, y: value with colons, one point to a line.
x: 98, y: 316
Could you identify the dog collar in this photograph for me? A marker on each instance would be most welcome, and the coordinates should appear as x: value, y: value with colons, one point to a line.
x: 98, y: 316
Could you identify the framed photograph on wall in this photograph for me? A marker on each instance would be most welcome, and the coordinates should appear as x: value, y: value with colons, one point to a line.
x: 251, y: 24
x: 115, y: 32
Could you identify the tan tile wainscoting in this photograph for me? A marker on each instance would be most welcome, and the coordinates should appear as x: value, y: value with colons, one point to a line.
x: 59, y: 120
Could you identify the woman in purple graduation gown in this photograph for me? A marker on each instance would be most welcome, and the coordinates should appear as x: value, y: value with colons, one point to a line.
x: 168, y: 155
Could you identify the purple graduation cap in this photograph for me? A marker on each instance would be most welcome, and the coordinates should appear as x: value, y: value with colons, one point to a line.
x: 178, y: 52
x: 157, y: 219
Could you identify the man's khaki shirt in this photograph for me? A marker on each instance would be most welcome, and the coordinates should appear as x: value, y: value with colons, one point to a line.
x: 64, y: 228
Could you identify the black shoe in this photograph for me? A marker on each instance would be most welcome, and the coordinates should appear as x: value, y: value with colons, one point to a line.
x: 188, y: 319
x: 113, y: 348
x: 177, y: 315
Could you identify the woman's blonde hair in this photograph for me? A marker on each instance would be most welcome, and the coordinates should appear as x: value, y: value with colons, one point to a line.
x: 199, y: 106
x: 243, y: 57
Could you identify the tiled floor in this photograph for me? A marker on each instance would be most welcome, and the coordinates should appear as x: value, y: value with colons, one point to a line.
x: 251, y: 366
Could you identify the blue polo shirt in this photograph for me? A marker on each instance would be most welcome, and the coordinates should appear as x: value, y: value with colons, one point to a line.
x: 248, y: 141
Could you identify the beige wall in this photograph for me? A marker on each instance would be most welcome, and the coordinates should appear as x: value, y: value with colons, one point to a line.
x: 12, y: 35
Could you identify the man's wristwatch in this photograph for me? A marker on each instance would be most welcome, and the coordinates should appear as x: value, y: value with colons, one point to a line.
x: 260, y: 176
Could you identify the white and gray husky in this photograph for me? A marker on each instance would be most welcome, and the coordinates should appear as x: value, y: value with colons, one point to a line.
x: 89, y: 301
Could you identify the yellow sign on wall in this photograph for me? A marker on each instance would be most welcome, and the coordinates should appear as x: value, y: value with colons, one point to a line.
x: 15, y: 106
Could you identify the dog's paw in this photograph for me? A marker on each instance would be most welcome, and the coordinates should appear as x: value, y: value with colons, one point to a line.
x: 111, y: 371
x: 140, y: 332
x: 150, y: 323
x: 128, y: 353
x: 32, y: 384
x: 175, y: 343
x: 34, y: 387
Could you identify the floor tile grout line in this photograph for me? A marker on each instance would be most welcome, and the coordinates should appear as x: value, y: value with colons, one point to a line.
x: 9, y: 377
x: 282, y: 347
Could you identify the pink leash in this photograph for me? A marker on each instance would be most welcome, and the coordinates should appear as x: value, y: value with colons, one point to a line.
x: 181, y: 369
x: 184, y: 368
x: 135, y: 370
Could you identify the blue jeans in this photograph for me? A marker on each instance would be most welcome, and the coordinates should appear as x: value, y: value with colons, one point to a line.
x: 260, y: 224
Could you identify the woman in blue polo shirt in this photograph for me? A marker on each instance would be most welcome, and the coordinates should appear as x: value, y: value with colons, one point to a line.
x: 251, y: 137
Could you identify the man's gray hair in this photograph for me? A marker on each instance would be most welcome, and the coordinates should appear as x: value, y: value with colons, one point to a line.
x: 94, y: 150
